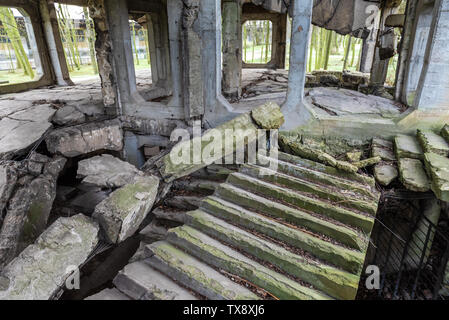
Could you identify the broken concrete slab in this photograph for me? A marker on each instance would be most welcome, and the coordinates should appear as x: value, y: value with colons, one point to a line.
x: 438, y: 169
x: 432, y: 142
x: 108, y: 294
x: 383, y: 153
x: 106, y: 171
x: 172, y: 166
x: 385, y: 174
x: 339, y: 102
x: 40, y: 271
x: 141, y: 282
x: 407, y: 147
x: 304, y: 151
x: 68, y: 115
x: 121, y: 213
x: 86, y: 138
x: 380, y: 142
x: 21, y: 130
x: 29, y: 204
x: 268, y: 116
x: 412, y: 175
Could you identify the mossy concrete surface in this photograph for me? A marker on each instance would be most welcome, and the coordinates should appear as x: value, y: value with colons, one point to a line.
x: 432, y: 142
x: 122, y: 212
x: 438, y: 168
x: 412, y: 175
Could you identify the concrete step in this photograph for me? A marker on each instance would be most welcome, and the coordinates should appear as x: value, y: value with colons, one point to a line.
x: 349, y: 260
x: 271, y: 191
x: 141, y: 282
x: 344, y: 198
x: 351, y: 177
x: 332, y: 281
x: 251, y: 203
x: 108, y: 294
x: 194, y: 274
x: 306, y: 172
x: 223, y: 257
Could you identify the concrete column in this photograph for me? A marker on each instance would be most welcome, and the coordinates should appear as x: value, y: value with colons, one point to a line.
x: 192, y: 62
x: 174, y: 12
x: 280, y: 42
x: 217, y: 108
x: 379, y: 68
x: 301, y: 12
x: 433, y: 88
x: 54, y: 43
x: 157, y: 26
x: 404, y: 51
x: 369, y: 48
x: 123, y: 66
x: 103, y: 50
x: 232, y: 49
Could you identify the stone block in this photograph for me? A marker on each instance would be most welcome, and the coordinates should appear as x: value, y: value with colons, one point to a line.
x: 86, y: 138
x: 121, y: 214
x: 40, y: 271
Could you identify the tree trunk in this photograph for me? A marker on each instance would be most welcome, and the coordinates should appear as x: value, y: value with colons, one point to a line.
x: 91, y: 39
x: 328, y: 47
x: 12, y: 31
x: 348, y: 46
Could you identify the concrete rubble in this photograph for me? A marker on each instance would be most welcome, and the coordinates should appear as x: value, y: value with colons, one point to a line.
x: 86, y: 138
x: 121, y: 213
x: 40, y: 271
x: 106, y: 171
x: 92, y: 183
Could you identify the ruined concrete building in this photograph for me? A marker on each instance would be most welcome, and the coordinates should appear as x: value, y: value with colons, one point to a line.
x: 348, y: 177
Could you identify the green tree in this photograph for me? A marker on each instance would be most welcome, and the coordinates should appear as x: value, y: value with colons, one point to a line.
x: 91, y: 39
x: 12, y: 31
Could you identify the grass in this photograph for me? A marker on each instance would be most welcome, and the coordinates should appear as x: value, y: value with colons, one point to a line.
x: 14, y: 77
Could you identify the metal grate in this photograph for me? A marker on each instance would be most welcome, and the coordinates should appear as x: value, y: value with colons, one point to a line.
x: 410, y: 248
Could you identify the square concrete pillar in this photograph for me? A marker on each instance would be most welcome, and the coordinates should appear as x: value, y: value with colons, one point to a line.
x: 294, y: 111
x: 432, y: 91
x: 232, y: 49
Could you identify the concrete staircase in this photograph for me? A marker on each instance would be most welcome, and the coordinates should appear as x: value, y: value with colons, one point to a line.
x: 299, y: 233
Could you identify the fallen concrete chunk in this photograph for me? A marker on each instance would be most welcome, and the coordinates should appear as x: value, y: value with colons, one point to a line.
x: 108, y: 294
x: 85, y: 138
x: 304, y: 151
x: 106, y: 171
x: 186, y: 156
x: 385, y: 174
x: 268, y: 116
x: 431, y: 142
x: 8, y: 179
x: 412, y: 175
x: 407, y: 147
x: 122, y: 212
x: 68, y: 115
x: 42, y: 268
x: 29, y: 204
x: 380, y: 142
x: 383, y: 153
x: 438, y: 168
